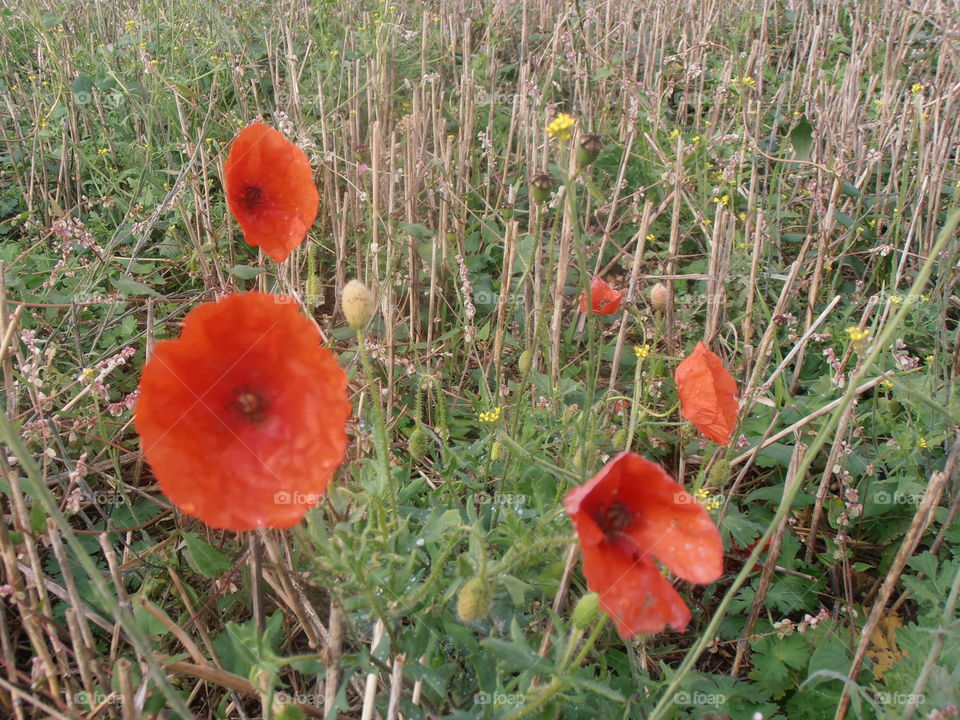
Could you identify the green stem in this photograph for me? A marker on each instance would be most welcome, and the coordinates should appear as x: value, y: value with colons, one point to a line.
x: 379, y: 426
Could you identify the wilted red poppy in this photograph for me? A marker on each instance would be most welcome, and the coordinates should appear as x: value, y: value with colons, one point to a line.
x: 604, y: 300
x: 708, y: 394
x: 629, y: 513
x: 242, y: 417
x: 270, y: 190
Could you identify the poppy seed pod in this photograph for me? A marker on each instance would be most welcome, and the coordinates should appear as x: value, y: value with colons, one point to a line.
x: 540, y: 187
x: 473, y: 603
x: 356, y: 301
x: 658, y: 296
x: 588, y: 149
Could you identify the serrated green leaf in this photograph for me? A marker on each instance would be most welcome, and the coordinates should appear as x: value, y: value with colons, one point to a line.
x: 245, y: 272
x: 203, y: 557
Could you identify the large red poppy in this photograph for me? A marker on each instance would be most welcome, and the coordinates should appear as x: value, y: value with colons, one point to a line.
x: 604, y: 300
x: 629, y: 513
x: 242, y: 417
x: 708, y: 394
x: 270, y: 190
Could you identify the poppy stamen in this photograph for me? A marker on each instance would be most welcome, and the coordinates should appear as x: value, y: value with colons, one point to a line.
x: 251, y: 196
x: 615, y: 519
x: 251, y: 405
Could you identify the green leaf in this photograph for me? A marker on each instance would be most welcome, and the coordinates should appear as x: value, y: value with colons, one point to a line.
x: 130, y: 287
x: 514, y: 657
x: 245, y: 272
x: 801, y: 137
x: 421, y: 232
x: 202, y: 557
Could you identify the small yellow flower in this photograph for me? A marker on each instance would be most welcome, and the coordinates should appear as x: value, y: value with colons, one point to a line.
x: 696, y: 139
x: 886, y: 384
x: 491, y: 416
x: 924, y: 298
x: 560, y: 127
x: 709, y: 502
x: 214, y: 58
x: 707, y: 221
x: 707, y: 123
x: 651, y: 237
x: 722, y: 200
x: 103, y: 151
x: 856, y: 334
x: 918, y: 88
x: 929, y: 359
x: 921, y: 442
x: 748, y: 82
x: 641, y: 351
x: 674, y: 134
x: 896, y: 299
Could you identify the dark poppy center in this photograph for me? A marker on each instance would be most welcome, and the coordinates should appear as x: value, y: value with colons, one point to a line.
x: 250, y: 404
x: 251, y: 196
x: 614, y: 519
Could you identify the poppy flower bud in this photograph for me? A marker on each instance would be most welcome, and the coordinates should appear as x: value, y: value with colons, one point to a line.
x: 289, y: 712
x: 496, y: 451
x: 719, y: 473
x: 620, y: 438
x: 586, y: 610
x: 589, y: 148
x: 417, y: 443
x: 540, y: 186
x: 658, y: 296
x: 525, y: 361
x: 473, y: 603
x: 356, y: 301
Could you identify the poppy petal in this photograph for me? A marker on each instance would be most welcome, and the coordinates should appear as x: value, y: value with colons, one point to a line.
x: 242, y: 417
x: 708, y: 394
x: 604, y: 300
x: 270, y: 190
x: 633, y: 592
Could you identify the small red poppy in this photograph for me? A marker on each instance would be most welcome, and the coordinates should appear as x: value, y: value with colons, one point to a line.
x: 270, y: 190
x: 708, y: 394
x: 629, y: 513
x: 242, y: 417
x: 604, y: 300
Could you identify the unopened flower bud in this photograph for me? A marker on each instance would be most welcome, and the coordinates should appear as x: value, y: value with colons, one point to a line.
x: 588, y: 149
x: 719, y: 473
x: 417, y: 443
x: 473, y: 603
x: 525, y: 361
x: 496, y: 451
x: 658, y: 296
x: 586, y: 610
x: 540, y: 186
x: 289, y: 712
x: 356, y: 301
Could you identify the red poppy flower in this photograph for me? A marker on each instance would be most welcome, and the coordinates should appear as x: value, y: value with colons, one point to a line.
x: 604, y: 300
x: 708, y: 394
x: 242, y: 417
x: 270, y: 190
x: 629, y: 513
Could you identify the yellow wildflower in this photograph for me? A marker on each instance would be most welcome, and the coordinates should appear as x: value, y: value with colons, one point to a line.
x: 560, y: 127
